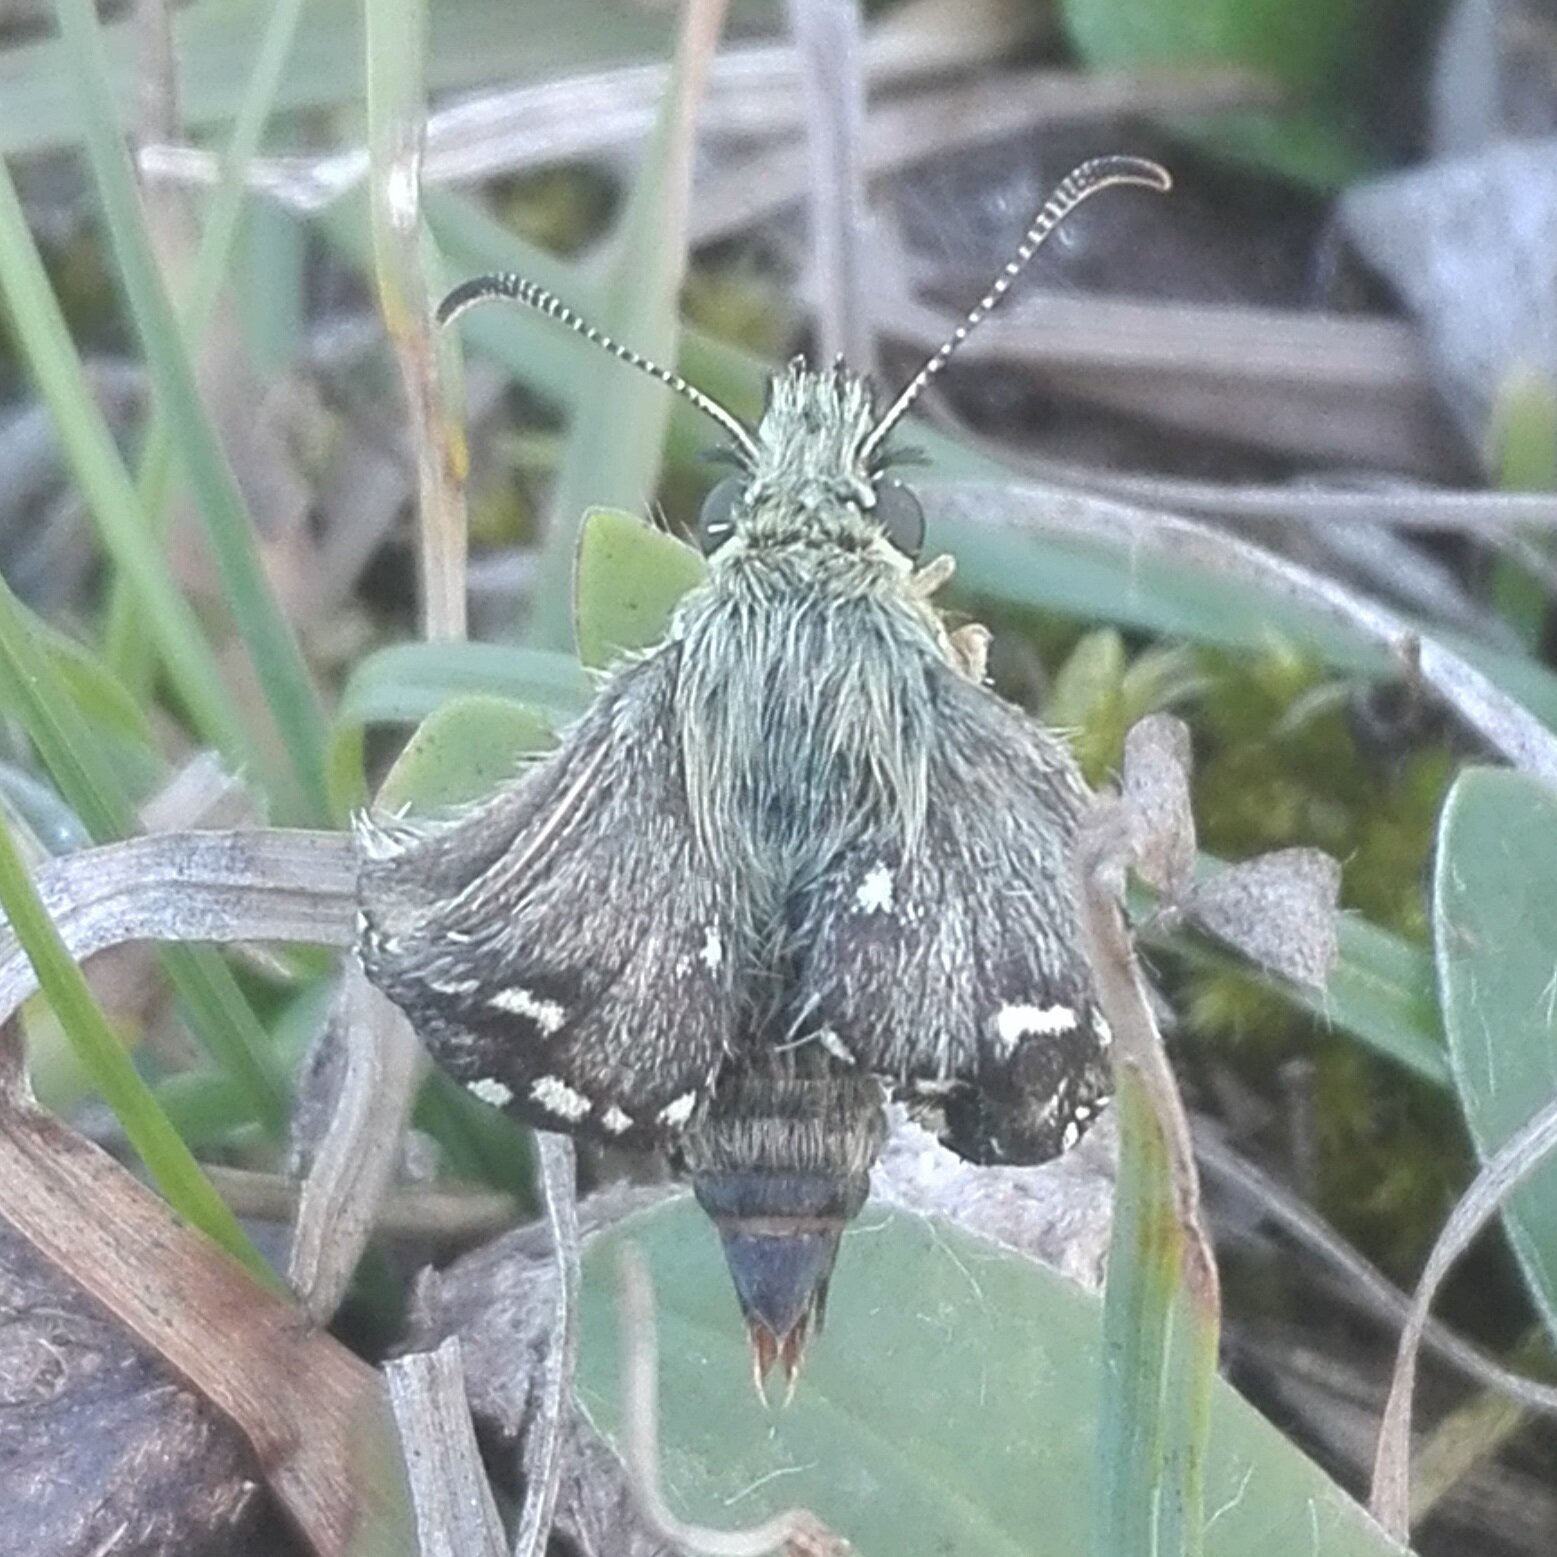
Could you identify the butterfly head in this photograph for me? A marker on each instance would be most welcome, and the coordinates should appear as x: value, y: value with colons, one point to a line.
x: 811, y: 473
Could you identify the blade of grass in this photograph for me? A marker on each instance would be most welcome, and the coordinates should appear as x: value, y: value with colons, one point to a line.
x: 1159, y: 1355
x: 616, y: 443
x: 1161, y: 1304
x: 100, y: 475
x: 396, y: 41
x: 272, y: 305
x: 125, y: 644
x: 473, y: 42
x: 220, y: 1016
x: 167, y: 1159
x: 278, y: 661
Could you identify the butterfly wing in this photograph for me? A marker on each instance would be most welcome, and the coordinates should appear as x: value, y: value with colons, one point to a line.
x: 558, y: 947
x: 949, y: 964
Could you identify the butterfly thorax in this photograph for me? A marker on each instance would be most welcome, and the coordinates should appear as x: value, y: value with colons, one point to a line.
x: 803, y: 719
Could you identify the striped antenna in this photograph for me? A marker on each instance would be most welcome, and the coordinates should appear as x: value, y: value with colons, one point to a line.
x: 1078, y: 185
x: 517, y: 290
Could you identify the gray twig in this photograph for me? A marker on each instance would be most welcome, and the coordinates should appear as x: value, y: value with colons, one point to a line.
x: 355, y: 1160
x: 455, y: 1513
x: 259, y: 884
x: 827, y: 34
x: 1390, y: 1499
x: 543, y: 1467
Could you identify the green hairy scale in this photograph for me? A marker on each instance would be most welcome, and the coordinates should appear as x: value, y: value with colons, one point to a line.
x: 795, y: 861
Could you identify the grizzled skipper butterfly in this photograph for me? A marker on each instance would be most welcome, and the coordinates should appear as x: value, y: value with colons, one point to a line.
x: 793, y: 861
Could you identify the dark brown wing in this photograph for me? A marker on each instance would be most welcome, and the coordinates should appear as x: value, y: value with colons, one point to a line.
x: 557, y: 947
x: 949, y: 965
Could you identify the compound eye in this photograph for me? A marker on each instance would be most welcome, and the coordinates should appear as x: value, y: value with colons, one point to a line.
x: 899, y: 514
x: 716, y: 521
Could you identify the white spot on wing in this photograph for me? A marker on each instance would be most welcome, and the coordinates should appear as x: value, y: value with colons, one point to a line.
x: 1101, y: 1030
x: 454, y: 986
x: 1014, y: 1023
x: 557, y: 1097
x: 834, y: 1045
x: 679, y: 1110
x: 490, y: 1090
x: 713, y: 949
x: 874, y: 894
x: 548, y: 1015
x: 616, y: 1120
x: 926, y: 1086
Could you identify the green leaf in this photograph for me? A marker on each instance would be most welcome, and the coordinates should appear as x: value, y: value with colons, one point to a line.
x: 1306, y: 49
x: 627, y: 582
x: 464, y: 752
x: 1160, y: 1328
x: 406, y: 682
x: 950, y: 1407
x: 1494, y: 931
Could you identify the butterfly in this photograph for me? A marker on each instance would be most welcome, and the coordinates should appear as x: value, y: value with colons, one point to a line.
x: 793, y: 861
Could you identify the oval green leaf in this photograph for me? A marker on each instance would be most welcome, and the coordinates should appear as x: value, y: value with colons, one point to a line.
x: 1495, y: 939
x: 406, y: 682
x: 628, y: 579
x: 950, y: 1407
x: 464, y: 751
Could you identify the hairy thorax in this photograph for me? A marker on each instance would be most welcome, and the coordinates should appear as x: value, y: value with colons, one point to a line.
x: 803, y: 717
